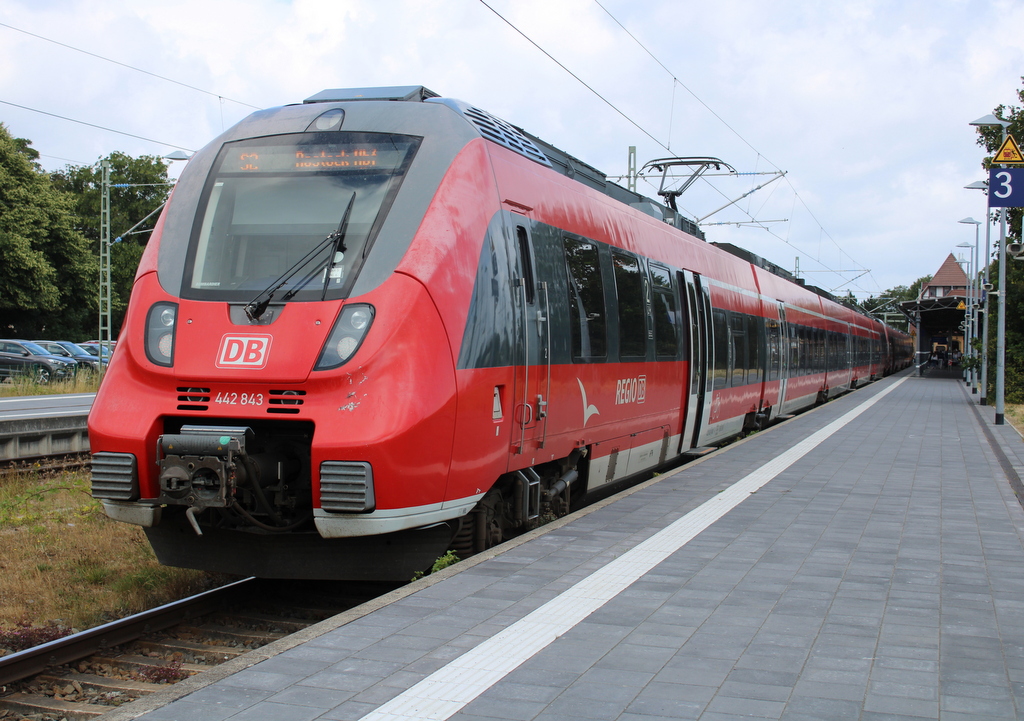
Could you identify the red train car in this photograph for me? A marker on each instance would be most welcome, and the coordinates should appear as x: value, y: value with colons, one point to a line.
x: 379, y: 324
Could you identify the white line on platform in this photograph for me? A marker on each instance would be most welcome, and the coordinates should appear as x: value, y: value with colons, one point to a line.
x: 448, y: 690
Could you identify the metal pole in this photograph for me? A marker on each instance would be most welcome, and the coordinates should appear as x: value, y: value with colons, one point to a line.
x: 105, y: 312
x: 975, y: 303
x: 1001, y: 322
x: 966, y: 374
x: 988, y: 304
x: 631, y: 169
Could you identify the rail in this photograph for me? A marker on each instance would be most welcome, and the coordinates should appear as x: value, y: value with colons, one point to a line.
x: 23, y: 664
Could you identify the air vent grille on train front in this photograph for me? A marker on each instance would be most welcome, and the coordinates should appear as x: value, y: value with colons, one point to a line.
x: 496, y: 129
x: 190, y: 398
x: 285, y: 401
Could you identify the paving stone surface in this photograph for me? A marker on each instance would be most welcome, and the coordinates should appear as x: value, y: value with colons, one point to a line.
x: 878, y: 577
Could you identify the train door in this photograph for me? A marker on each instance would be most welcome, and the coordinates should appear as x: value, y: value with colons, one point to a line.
x: 697, y: 310
x: 532, y: 347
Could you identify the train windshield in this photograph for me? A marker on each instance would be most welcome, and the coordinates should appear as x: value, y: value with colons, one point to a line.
x: 270, y: 201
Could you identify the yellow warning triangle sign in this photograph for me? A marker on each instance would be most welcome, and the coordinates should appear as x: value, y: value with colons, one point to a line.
x: 961, y: 306
x: 1009, y: 153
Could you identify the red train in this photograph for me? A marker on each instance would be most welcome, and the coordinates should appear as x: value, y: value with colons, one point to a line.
x: 379, y: 324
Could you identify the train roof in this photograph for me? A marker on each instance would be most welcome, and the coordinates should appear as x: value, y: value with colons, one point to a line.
x: 518, y: 140
x: 491, y: 127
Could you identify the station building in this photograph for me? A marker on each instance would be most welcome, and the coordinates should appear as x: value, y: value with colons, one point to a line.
x: 940, y: 311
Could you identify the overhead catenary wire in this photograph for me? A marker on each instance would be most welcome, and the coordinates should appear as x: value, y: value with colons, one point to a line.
x: 575, y: 76
x: 98, y: 127
x: 126, y: 65
x: 675, y: 79
x: 664, y: 145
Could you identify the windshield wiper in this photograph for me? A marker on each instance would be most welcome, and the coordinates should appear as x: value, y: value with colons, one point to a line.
x: 255, y: 308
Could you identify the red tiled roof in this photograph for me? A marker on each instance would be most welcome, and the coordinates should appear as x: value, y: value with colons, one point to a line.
x: 949, y: 275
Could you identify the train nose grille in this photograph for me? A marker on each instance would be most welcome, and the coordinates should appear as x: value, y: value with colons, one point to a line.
x: 114, y: 476
x: 284, y: 401
x: 346, y: 487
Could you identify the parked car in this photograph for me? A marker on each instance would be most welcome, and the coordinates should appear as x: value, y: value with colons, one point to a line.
x: 93, y: 347
x: 67, y: 349
x: 22, y: 358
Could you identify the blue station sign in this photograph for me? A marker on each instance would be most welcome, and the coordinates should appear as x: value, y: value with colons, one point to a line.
x: 1006, y: 188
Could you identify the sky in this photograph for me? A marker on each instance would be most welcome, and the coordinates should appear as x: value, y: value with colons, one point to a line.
x: 864, y: 104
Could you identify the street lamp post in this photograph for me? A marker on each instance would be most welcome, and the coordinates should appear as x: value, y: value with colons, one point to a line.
x: 975, y: 299
x: 991, y: 121
x: 965, y: 324
x: 986, y: 287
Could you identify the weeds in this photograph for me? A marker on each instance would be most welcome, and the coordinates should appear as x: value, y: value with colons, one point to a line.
x: 64, y: 559
x: 450, y: 558
x: 170, y: 673
x: 25, y: 635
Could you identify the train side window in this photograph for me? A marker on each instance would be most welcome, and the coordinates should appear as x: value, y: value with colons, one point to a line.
x: 739, y: 351
x: 805, y: 350
x: 720, y: 324
x: 523, y: 243
x: 667, y: 330
x: 774, y: 348
x: 755, y: 357
x: 586, y: 299
x: 629, y: 290
x: 794, y: 350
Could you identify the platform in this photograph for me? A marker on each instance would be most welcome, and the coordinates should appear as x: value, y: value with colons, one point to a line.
x: 861, y: 561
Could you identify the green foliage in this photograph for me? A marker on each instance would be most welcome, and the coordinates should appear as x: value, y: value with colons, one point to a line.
x: 44, y: 260
x: 49, y: 239
x: 990, y: 139
x: 450, y: 558
x: 146, y: 188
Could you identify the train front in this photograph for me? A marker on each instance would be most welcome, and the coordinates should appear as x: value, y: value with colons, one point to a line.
x: 275, y: 377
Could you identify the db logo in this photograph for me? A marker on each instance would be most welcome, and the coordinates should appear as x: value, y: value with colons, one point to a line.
x: 243, y: 351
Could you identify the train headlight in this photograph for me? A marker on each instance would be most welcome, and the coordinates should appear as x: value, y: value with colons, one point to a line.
x: 160, y: 327
x: 346, y: 336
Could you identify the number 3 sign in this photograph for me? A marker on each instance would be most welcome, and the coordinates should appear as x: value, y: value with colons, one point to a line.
x: 1006, y: 188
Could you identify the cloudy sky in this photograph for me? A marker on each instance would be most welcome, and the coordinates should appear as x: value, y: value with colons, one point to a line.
x: 864, y: 104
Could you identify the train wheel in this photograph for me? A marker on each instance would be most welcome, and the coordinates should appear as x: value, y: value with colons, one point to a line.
x: 480, y: 528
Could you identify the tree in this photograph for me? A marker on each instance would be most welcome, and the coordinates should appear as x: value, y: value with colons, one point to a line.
x: 139, y: 186
x: 44, y: 276
x: 990, y: 139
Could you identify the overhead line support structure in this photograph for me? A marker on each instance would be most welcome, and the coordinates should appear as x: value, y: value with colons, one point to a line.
x: 105, y: 281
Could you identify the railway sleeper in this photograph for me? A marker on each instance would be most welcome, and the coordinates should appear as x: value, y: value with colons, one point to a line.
x: 242, y: 637
x: 38, y: 704
x: 262, y: 622
x: 139, y: 664
x: 191, y: 649
x: 90, y: 683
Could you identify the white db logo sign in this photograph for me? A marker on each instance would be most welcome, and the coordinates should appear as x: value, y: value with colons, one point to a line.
x: 243, y: 351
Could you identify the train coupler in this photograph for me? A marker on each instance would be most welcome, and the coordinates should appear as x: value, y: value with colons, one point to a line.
x: 199, y: 467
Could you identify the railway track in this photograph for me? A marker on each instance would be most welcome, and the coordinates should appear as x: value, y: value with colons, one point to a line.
x: 87, y: 674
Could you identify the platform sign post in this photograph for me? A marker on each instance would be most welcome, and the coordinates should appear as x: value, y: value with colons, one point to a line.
x: 1003, y: 194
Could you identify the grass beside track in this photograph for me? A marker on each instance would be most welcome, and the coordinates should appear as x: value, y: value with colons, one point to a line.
x: 82, y: 383
x: 64, y: 563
